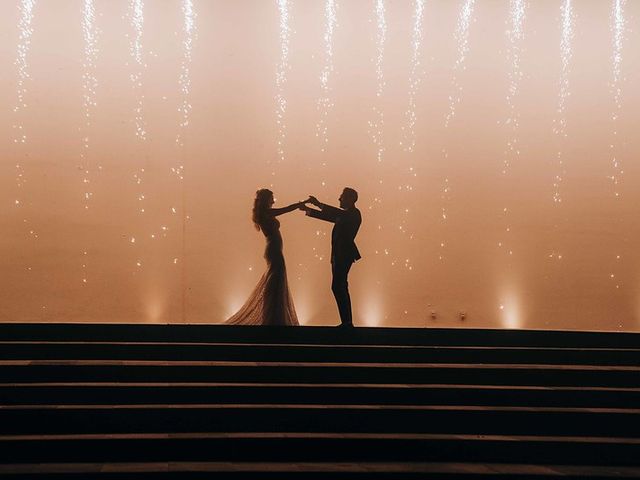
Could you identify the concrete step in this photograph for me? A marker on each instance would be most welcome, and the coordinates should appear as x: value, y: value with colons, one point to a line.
x: 468, y: 419
x: 329, y: 394
x: 296, y: 447
x: 315, y: 471
x: 94, y: 350
x: 114, y: 332
x: 38, y: 371
x: 190, y: 401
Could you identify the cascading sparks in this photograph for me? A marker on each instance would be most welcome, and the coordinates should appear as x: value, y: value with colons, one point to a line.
x: 618, y: 24
x: 462, y: 38
x: 184, y: 80
x: 408, y: 135
x: 25, y: 20
x: 376, y: 126
x: 324, y: 102
x: 136, y: 18
x: 281, y: 75
x: 25, y: 9
x: 89, y: 87
x: 515, y: 37
x: 560, y: 123
x: 408, y: 141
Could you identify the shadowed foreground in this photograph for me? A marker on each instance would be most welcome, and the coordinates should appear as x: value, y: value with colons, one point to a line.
x: 183, y: 401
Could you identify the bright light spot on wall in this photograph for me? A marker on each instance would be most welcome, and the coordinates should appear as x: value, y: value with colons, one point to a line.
x: 509, y: 311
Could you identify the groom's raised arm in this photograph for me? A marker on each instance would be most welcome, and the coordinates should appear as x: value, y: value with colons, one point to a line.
x: 327, y: 213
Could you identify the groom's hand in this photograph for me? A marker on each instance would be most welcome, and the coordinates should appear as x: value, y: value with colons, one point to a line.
x: 313, y: 201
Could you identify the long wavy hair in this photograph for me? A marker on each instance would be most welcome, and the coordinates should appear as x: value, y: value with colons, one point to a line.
x: 260, y: 207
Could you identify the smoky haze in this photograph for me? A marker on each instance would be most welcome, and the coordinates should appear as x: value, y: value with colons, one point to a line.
x: 497, y: 168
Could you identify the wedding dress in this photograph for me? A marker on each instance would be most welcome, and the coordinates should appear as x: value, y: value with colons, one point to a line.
x: 270, y: 303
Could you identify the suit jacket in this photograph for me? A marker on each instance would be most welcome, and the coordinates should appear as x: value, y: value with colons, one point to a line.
x: 346, y: 225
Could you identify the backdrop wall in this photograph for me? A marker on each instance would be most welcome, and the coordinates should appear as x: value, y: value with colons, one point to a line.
x: 494, y: 145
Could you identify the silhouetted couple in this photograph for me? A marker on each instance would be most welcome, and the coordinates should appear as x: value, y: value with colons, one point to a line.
x: 271, y: 302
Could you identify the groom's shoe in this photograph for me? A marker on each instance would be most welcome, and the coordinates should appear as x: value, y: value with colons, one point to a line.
x: 346, y: 325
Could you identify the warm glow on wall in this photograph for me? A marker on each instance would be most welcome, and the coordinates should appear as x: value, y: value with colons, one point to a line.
x: 493, y: 144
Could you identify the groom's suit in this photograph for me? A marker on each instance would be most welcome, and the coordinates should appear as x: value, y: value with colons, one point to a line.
x: 343, y: 252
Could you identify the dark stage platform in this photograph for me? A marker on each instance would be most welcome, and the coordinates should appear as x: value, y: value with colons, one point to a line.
x: 186, y: 401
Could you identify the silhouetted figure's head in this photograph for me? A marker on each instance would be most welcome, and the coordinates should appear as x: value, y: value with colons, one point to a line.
x: 348, y: 198
x: 261, y: 205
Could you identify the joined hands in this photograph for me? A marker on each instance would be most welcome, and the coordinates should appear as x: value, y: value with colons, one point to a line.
x: 312, y: 200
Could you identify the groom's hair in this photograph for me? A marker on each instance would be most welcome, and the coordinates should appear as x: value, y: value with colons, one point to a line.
x: 352, y: 193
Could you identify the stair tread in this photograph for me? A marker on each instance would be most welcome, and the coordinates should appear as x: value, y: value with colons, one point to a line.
x: 220, y: 363
x: 296, y: 406
x: 323, y: 435
x: 366, y: 467
x: 381, y: 386
x: 545, y: 399
x: 94, y: 343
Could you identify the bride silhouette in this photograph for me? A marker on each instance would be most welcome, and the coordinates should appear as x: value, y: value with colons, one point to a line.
x: 270, y: 303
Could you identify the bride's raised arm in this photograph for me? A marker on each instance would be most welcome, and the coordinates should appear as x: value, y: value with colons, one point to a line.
x: 289, y: 208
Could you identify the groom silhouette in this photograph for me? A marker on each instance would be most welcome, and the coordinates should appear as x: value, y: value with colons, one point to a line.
x: 344, y: 253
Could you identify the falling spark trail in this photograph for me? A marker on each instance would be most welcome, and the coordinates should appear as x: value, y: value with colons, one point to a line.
x: 515, y: 36
x: 560, y: 127
x: 24, y: 43
x: 324, y: 102
x: 185, y: 69
x: 415, y: 77
x: 462, y: 37
x: 89, y: 86
x: 408, y: 135
x: 184, y: 80
x: 445, y: 196
x: 281, y: 75
x: 618, y: 24
x: 25, y: 9
x: 376, y: 126
x: 136, y: 18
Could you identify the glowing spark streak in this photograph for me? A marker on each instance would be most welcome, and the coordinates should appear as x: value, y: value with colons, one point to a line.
x: 324, y: 102
x: 89, y: 83
x: 566, y: 55
x: 189, y: 32
x: 136, y: 17
x: 185, y: 69
x: 415, y: 77
x: 515, y: 36
x: 617, y: 26
x: 281, y: 74
x: 445, y: 196
x: 376, y: 126
x: 462, y: 37
x: 89, y: 86
x: 24, y: 43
